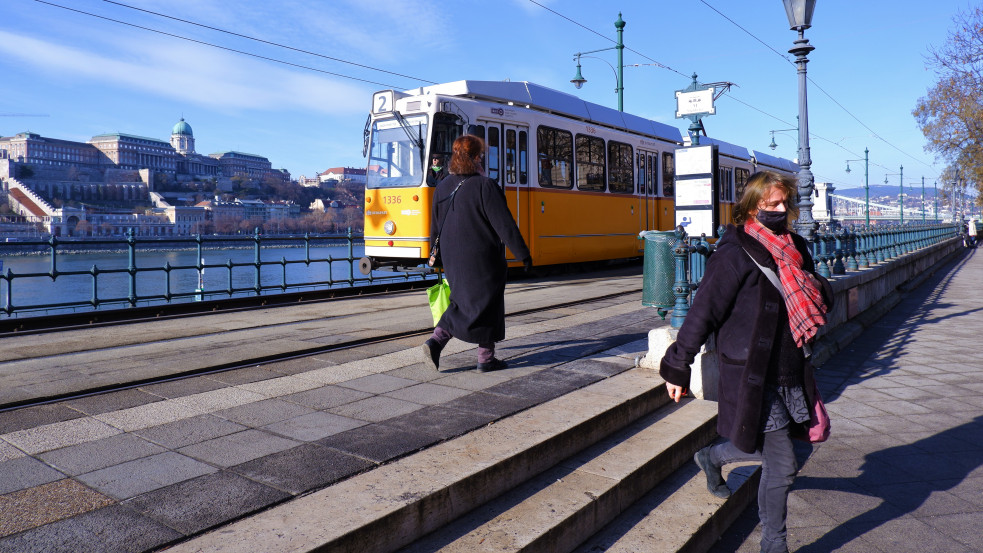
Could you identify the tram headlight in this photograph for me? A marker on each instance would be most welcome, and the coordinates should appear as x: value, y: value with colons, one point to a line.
x: 390, y: 228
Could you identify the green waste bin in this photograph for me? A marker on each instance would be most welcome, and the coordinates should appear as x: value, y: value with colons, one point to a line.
x: 659, y: 272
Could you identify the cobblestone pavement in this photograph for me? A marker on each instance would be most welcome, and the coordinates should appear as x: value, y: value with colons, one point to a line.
x: 903, y: 469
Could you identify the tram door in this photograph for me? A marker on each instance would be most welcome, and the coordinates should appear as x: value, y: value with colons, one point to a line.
x: 507, y: 163
x: 648, y: 189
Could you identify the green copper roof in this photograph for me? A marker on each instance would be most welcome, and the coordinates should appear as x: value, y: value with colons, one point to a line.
x: 182, y: 128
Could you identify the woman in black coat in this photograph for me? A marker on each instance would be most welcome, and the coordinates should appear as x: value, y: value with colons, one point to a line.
x: 473, y: 219
x: 763, y: 335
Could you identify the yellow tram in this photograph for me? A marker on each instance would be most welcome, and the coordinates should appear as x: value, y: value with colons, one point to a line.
x: 581, y: 180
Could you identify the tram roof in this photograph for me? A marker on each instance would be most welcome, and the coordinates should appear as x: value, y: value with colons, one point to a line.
x: 539, y: 97
x: 762, y: 158
x: 726, y: 148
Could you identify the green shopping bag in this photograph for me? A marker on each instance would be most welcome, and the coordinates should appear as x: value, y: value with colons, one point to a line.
x: 439, y: 296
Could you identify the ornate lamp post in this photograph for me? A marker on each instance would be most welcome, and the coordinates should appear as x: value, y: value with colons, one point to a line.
x: 866, y: 185
x: 799, y: 19
x: 936, y: 201
x: 578, y: 80
x: 923, y: 199
x: 901, y: 195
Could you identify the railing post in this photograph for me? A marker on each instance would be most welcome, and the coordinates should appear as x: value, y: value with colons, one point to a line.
x: 838, y: 237
x: 822, y: 268
x: 680, y: 288
x: 258, y: 286
x: 132, y: 266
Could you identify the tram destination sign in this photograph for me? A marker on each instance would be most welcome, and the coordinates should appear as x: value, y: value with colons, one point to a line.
x: 696, y: 190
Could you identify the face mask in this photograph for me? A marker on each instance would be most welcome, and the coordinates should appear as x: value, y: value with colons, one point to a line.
x: 436, y: 167
x: 774, y: 221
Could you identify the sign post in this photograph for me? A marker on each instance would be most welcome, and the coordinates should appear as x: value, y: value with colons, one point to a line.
x: 696, y: 190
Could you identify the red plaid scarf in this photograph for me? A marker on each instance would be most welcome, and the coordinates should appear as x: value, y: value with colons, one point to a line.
x: 803, y: 297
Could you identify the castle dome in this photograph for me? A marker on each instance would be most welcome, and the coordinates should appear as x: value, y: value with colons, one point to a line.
x: 182, y: 128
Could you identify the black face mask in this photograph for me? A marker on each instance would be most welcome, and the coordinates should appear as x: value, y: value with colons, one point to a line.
x: 774, y: 221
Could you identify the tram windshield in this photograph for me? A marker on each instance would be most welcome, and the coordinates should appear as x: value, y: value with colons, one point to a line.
x: 394, y: 155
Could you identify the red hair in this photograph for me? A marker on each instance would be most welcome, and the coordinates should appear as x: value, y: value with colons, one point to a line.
x: 466, y: 148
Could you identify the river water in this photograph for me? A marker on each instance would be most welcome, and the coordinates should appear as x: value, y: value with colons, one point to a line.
x: 27, y: 291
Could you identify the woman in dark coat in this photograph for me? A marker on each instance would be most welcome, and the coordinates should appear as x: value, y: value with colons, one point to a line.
x: 763, y: 336
x: 476, y: 221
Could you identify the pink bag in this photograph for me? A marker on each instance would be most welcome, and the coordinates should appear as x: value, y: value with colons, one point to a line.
x: 818, y: 427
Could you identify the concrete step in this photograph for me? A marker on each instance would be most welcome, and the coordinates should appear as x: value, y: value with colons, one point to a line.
x: 679, y: 515
x: 390, y: 507
x: 566, y: 504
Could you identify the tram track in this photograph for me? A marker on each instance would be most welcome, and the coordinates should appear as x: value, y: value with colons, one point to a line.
x: 252, y: 361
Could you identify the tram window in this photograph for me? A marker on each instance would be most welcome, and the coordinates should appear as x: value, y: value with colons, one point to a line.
x: 554, y: 154
x: 590, y: 162
x: 668, y: 175
x: 641, y: 173
x: 621, y: 169
x: 523, y: 157
x: 653, y: 174
x: 479, y: 131
x: 740, y: 181
x: 510, y: 156
x: 726, y: 181
x: 491, y: 160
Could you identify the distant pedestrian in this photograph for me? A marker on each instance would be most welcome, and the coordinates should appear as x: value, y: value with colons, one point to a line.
x: 971, y: 232
x: 475, y: 222
x: 437, y: 170
x: 763, y: 335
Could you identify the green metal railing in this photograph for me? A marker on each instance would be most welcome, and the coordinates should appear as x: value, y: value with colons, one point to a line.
x: 835, y: 252
x: 339, y: 271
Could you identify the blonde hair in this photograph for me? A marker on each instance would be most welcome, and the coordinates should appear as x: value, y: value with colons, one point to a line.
x: 757, y: 186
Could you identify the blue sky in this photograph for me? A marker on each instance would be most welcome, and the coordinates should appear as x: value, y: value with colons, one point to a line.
x: 92, y: 76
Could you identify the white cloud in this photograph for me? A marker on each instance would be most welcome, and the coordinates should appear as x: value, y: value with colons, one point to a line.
x: 190, y: 73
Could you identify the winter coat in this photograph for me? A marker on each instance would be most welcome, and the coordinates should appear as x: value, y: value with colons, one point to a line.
x: 737, y: 301
x: 471, y: 246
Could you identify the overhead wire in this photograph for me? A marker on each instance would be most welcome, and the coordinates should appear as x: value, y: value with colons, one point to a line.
x: 204, y: 43
x: 820, y: 88
x: 271, y: 43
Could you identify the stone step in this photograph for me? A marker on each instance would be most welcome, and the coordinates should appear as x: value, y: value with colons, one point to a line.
x: 565, y: 505
x: 678, y: 515
x: 390, y: 507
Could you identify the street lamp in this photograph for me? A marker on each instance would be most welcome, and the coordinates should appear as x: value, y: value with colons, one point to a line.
x: 936, y: 201
x: 866, y: 185
x: 901, y: 192
x: 799, y: 14
x: 578, y: 80
x: 773, y: 145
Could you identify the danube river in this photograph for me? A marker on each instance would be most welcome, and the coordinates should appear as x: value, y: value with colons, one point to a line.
x: 153, y: 280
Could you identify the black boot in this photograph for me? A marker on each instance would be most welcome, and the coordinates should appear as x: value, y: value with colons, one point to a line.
x: 493, y: 365
x: 715, y: 480
x: 431, y: 353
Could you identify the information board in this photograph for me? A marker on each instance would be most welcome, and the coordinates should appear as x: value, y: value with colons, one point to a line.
x: 696, y: 190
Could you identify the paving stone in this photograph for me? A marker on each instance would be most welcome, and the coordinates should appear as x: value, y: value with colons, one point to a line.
x: 177, y: 434
x: 303, y: 468
x: 182, y: 387
x: 32, y: 417
x: 25, y: 472
x: 264, y: 412
x: 114, y: 529
x: 313, y: 426
x: 47, y: 503
x: 440, y: 422
x: 326, y: 397
x: 596, y: 367
x: 143, y: 475
x: 145, y: 416
x: 428, y: 394
x: 198, y: 504
x: 112, y: 401
x: 99, y: 454
x: 378, y: 383
x: 491, y: 404
x: 8, y: 452
x: 376, y: 408
x: 248, y: 374
x: 237, y: 448
x: 379, y: 442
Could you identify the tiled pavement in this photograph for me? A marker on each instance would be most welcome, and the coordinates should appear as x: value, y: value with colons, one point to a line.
x: 903, y: 469
x: 136, y: 469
